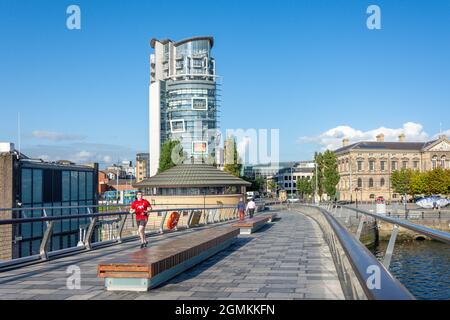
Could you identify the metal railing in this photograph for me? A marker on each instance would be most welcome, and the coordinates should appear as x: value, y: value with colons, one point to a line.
x: 361, y: 275
x: 361, y: 214
x: 104, y: 227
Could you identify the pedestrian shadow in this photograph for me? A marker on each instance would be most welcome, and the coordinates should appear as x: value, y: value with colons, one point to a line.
x: 206, y: 264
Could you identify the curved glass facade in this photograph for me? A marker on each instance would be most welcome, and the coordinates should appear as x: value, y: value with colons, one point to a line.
x: 187, y: 101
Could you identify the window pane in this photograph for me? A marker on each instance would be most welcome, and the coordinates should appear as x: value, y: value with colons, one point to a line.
x: 37, y: 186
x: 74, y: 185
x: 24, y: 248
x: 89, y: 186
x: 66, y: 186
x: 82, y: 185
x: 35, y: 246
x: 56, y: 245
x: 26, y: 186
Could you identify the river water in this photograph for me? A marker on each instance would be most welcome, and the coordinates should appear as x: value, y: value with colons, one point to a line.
x: 423, y: 267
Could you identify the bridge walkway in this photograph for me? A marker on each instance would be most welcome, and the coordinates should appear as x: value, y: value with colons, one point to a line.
x: 288, y: 259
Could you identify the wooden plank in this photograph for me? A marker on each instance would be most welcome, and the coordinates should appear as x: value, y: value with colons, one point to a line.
x: 162, y: 257
x: 123, y: 275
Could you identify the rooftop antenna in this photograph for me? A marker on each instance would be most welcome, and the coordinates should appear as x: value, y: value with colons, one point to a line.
x: 18, y: 133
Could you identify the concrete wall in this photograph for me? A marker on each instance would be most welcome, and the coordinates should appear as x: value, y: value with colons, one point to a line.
x: 6, y: 201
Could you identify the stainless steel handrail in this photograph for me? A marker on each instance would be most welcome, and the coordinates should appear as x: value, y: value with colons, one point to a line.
x: 361, y: 259
x: 100, y: 214
x: 63, y: 207
x: 94, y: 206
x: 432, y: 233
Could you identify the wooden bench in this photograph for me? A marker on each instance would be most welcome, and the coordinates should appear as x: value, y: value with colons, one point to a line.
x: 147, y: 268
x: 272, y: 216
x: 248, y: 226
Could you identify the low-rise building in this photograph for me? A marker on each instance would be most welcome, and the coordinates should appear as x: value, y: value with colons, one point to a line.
x: 193, y: 184
x: 287, y: 178
x: 365, y: 167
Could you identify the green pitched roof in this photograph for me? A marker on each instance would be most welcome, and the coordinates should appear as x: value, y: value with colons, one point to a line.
x: 193, y: 175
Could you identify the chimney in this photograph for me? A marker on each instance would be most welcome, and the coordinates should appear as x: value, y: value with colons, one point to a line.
x: 401, y: 137
x: 380, y: 137
x: 345, y: 142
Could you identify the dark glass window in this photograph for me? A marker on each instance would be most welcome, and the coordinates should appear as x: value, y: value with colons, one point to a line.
x: 37, y: 186
x: 89, y: 185
x: 26, y: 186
x: 74, y: 185
x: 65, y: 186
x: 81, y: 186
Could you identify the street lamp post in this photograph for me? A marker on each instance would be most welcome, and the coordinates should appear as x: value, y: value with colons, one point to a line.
x: 316, y: 195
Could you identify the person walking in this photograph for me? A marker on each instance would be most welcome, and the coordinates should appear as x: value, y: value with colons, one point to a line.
x: 141, y: 207
x: 241, y: 209
x: 251, y: 206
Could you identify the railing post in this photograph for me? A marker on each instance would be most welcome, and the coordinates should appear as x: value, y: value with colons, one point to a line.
x: 390, y: 247
x: 189, y: 219
x: 123, y: 219
x: 362, y: 220
x: 89, y: 233
x: 161, y: 227
x: 347, y: 220
x: 43, y: 250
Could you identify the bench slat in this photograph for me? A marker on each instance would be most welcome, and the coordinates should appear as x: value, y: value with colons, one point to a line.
x: 157, y: 259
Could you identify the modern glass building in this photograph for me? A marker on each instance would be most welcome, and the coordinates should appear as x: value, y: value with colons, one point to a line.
x: 54, y: 185
x: 33, y: 183
x: 183, y: 99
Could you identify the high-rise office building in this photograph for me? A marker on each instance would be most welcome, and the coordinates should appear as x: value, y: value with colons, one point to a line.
x: 183, y: 99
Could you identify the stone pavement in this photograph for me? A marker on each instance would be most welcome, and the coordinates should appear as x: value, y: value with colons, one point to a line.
x: 285, y: 260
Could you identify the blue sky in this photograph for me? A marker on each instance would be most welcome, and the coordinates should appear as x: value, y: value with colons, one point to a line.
x: 309, y: 68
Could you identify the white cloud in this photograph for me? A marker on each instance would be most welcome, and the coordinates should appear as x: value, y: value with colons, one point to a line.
x: 104, y: 154
x: 446, y: 132
x: 332, y: 138
x: 56, y: 136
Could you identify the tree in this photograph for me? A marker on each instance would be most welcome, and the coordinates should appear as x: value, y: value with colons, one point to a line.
x: 304, y: 187
x: 258, y: 184
x: 232, y: 161
x: 171, y: 150
x: 272, y: 186
x: 327, y: 173
x: 401, y: 181
x: 330, y: 173
x: 418, y: 183
x: 437, y: 181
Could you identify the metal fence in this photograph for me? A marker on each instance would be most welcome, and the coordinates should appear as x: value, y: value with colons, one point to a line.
x: 106, y: 225
x: 357, y: 267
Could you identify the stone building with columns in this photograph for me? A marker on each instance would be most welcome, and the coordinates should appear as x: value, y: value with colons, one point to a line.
x: 365, y: 167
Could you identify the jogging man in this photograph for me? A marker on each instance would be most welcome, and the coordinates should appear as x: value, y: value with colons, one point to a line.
x: 141, y: 207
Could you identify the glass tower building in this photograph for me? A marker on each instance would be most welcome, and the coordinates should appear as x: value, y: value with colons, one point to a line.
x: 183, y: 99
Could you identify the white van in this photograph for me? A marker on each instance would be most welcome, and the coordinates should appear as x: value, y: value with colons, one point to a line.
x: 252, y: 195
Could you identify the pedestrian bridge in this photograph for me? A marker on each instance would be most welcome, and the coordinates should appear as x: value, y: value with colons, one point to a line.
x: 306, y: 253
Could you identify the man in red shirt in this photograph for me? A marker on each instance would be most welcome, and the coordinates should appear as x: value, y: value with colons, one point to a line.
x: 141, y: 207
